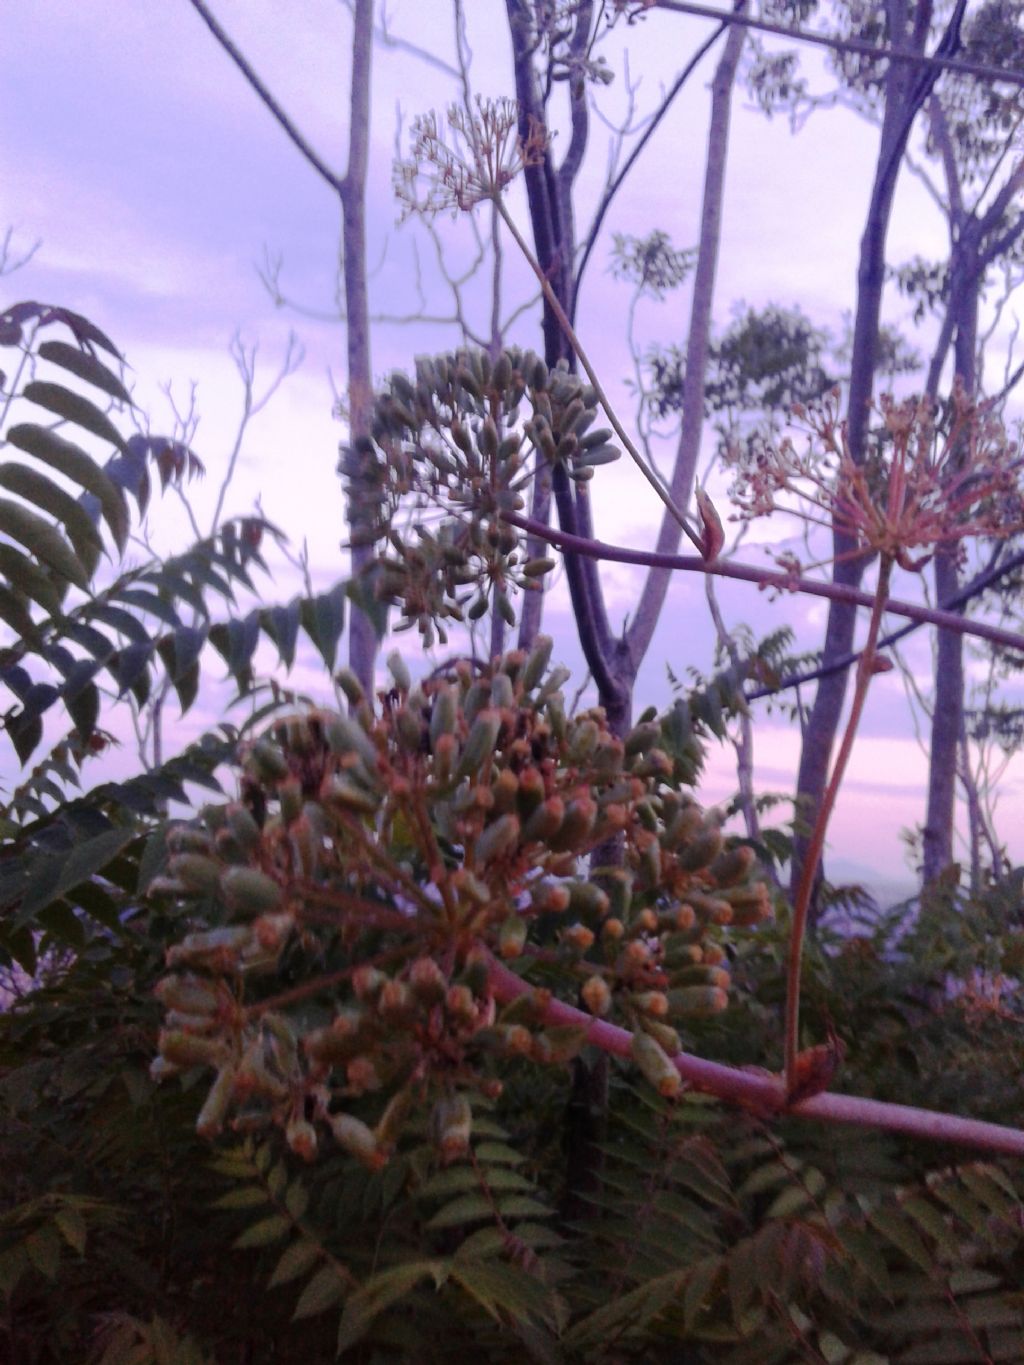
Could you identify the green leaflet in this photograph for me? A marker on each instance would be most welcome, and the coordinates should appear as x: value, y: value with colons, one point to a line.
x: 85, y: 366
x: 71, y: 461
x: 43, y: 541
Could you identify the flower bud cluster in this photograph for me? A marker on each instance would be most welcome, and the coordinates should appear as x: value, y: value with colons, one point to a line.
x: 453, y: 438
x: 346, y: 913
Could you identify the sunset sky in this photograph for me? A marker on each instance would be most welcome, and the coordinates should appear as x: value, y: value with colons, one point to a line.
x: 155, y: 184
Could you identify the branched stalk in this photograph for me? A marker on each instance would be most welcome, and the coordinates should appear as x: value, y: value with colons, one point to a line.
x: 802, y: 900
x: 570, y: 332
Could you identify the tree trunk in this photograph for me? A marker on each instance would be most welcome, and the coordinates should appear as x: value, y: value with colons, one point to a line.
x: 906, y: 91
x: 652, y: 599
x: 947, y: 711
x: 362, y: 636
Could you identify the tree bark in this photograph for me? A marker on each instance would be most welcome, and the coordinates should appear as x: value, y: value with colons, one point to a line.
x: 652, y: 598
x: 906, y: 92
x: 362, y: 636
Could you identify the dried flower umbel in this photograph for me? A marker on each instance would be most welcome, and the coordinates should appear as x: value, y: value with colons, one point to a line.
x: 337, y: 977
x: 922, y: 484
x: 481, y: 153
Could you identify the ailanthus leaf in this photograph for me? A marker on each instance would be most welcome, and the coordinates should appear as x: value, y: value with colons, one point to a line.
x: 263, y: 1233
x: 899, y: 1230
x: 246, y: 1198
x: 85, y: 366
x: 380, y: 1292
x: 295, y: 1261
x: 322, y: 1292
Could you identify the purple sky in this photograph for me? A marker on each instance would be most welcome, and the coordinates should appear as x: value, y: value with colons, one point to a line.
x: 155, y: 183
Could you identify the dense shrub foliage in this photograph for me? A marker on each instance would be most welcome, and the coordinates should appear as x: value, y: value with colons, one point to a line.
x: 323, y: 1065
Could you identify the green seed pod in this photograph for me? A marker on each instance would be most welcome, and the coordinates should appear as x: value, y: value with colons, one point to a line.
x: 663, y: 1034
x: 618, y: 886
x: 399, y: 670
x: 587, y: 900
x: 300, y: 1136
x: 444, y: 714
x: 350, y: 685
x: 545, y: 822
x: 537, y: 662
x: 701, y: 851
x: 336, y: 790
x: 195, y: 871
x: 502, y: 691
x: 409, y: 730
x: 552, y: 683
x: 750, y: 904
x: 530, y: 790
x: 583, y: 740
x: 505, y: 789
x: 700, y: 974
x: 247, y: 892
x: 578, y: 825
x: 642, y: 737
x: 189, y: 839
x: 480, y: 742
x: 650, y: 865
x: 451, y: 1125
x: 655, y: 1065
x: 549, y: 898
x: 427, y: 981
x: 512, y: 936
x: 699, y: 1001
x: 266, y: 762
x: 487, y: 439
x: 683, y: 826
x: 242, y: 826
x: 192, y: 994
x: 597, y: 995
x: 653, y: 1003
x: 459, y: 1004
x: 289, y: 794
x: 395, y: 1001
x: 733, y: 865
x: 191, y: 1049
x: 710, y: 909
x: 498, y: 839
x: 212, y: 945
x: 345, y: 735
x: 446, y: 755
x: 505, y: 608
x: 215, y: 1108
x: 355, y: 1138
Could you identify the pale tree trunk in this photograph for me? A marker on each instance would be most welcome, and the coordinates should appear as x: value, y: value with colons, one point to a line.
x: 907, y: 89
x: 362, y: 643
x: 652, y: 599
x: 947, y: 710
x: 351, y: 192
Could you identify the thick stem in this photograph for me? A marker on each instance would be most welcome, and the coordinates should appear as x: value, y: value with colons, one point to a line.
x: 768, y: 578
x: 802, y: 899
x: 766, y: 1094
x: 362, y: 637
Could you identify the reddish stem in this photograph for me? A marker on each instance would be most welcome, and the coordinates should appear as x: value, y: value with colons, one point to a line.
x: 766, y: 1094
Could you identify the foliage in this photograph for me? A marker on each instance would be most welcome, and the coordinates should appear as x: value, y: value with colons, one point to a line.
x: 367, y: 949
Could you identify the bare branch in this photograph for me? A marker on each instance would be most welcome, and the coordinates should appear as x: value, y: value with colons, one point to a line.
x: 335, y: 181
